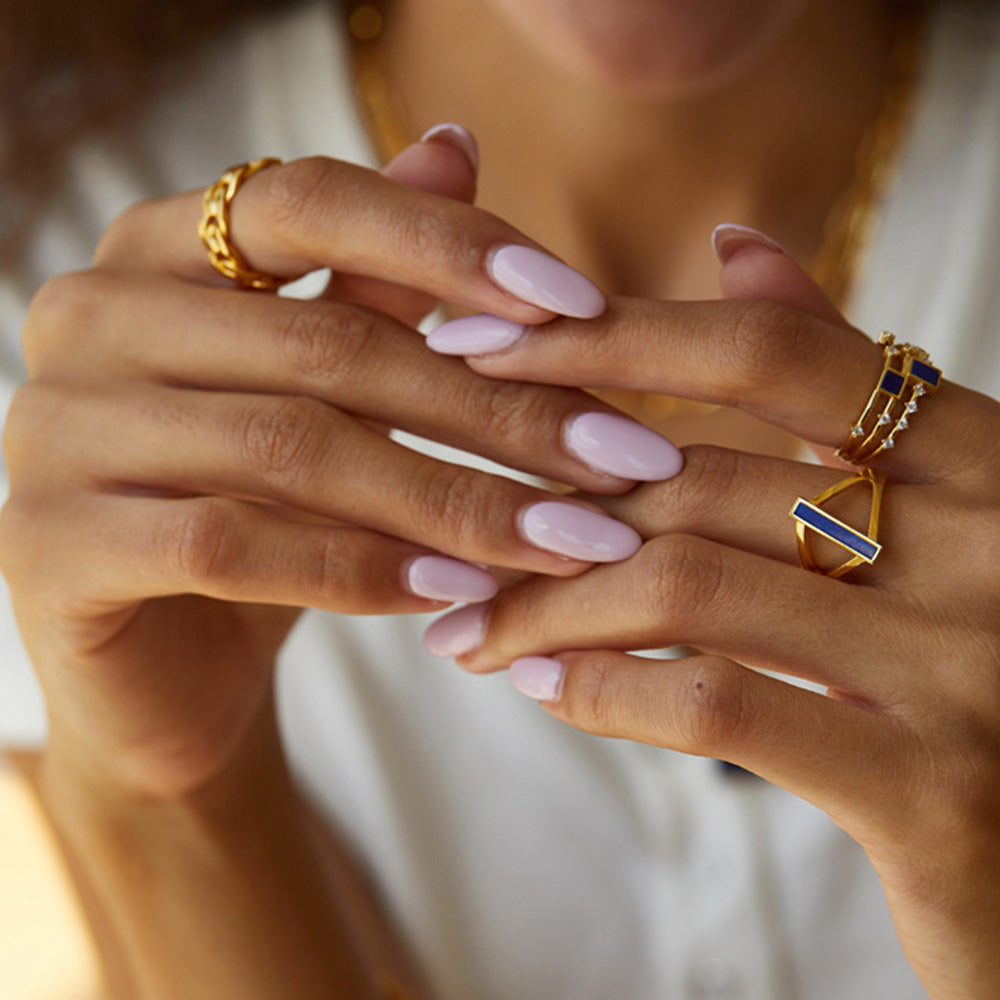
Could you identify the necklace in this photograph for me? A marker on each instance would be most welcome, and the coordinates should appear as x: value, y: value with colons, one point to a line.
x: 846, y: 231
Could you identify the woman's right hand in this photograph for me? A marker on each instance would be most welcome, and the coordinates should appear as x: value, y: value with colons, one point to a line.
x: 191, y: 464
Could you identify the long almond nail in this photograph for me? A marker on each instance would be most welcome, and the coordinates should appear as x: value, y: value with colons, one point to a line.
x: 473, y: 335
x: 729, y: 238
x: 607, y: 442
x: 444, y: 579
x: 535, y: 277
x: 538, y: 677
x: 577, y: 532
x: 456, y: 135
x: 457, y: 632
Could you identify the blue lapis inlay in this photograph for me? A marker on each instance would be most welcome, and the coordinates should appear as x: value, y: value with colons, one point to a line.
x: 925, y: 372
x: 892, y: 382
x: 836, y: 531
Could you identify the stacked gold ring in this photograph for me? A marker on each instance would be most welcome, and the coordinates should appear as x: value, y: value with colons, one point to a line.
x: 215, y: 232
x: 907, y: 374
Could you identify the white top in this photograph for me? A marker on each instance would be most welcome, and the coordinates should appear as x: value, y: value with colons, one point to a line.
x: 525, y: 859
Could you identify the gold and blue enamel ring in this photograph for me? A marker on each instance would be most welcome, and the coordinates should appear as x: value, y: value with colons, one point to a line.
x: 214, y: 228
x: 810, y: 517
x: 907, y: 374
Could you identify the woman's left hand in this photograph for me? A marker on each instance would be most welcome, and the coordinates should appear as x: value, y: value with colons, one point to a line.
x: 903, y: 753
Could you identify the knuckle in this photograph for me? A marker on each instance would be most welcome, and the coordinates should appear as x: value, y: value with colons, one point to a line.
x: 124, y: 231
x: 424, y: 234
x: 708, y: 472
x: 280, y: 439
x: 453, y: 498
x: 711, y: 707
x: 679, y: 576
x: 768, y: 340
x: 61, y: 307
x: 318, y: 342
x: 198, y: 545
x: 293, y: 190
x: 588, y: 701
x: 28, y: 419
x: 509, y: 411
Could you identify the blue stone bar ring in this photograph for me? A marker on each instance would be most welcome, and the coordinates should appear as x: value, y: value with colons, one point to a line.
x: 907, y: 374
x: 809, y: 516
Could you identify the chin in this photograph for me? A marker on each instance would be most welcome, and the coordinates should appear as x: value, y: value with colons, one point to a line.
x: 653, y: 48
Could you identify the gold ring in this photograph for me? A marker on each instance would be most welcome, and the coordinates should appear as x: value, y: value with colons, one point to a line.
x: 215, y: 232
x: 907, y: 374
x: 808, y: 515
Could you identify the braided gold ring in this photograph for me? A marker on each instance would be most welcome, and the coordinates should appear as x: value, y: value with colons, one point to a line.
x: 214, y: 228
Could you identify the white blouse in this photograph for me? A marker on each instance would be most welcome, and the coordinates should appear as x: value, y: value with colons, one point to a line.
x: 522, y: 858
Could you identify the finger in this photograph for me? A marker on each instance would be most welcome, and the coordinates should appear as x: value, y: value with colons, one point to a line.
x: 684, y: 590
x: 127, y: 549
x: 837, y: 756
x: 178, y: 334
x: 803, y: 374
x: 318, y: 212
x: 756, y: 267
x: 444, y: 162
x: 303, y: 454
x: 743, y: 500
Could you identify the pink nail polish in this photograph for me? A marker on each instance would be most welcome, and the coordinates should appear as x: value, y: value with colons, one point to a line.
x: 577, y: 532
x: 728, y: 238
x: 444, y: 579
x: 538, y: 677
x: 473, y: 335
x: 544, y: 281
x: 458, y: 136
x: 457, y: 632
x: 618, y: 446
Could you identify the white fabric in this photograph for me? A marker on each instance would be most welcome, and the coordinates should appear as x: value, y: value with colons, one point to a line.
x: 525, y: 859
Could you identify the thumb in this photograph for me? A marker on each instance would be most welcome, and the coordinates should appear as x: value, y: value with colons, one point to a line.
x: 444, y: 161
x: 754, y: 266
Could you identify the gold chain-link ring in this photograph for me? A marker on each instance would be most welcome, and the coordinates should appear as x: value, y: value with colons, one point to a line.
x: 216, y: 235
x: 907, y: 374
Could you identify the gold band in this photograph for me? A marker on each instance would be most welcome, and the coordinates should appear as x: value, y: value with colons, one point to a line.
x: 809, y: 516
x: 215, y: 233
x: 907, y: 374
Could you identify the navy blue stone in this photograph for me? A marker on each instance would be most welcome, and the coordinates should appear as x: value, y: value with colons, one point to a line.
x: 926, y: 373
x: 892, y: 382
x: 835, y: 530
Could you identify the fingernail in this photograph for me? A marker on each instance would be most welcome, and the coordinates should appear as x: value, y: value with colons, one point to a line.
x: 458, y: 136
x: 472, y: 335
x: 577, y: 532
x: 457, y: 632
x: 618, y: 446
x: 446, y: 579
x: 544, y: 281
x: 539, y: 677
x: 729, y: 238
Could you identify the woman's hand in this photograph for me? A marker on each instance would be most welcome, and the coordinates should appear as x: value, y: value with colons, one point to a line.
x: 904, y: 752
x: 191, y: 463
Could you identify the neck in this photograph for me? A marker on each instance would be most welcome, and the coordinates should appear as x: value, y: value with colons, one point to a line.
x: 628, y: 188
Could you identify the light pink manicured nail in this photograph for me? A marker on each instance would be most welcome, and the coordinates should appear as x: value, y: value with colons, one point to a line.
x: 472, y: 335
x: 457, y: 632
x: 729, y: 237
x: 544, y: 281
x: 577, y: 532
x: 458, y: 136
x: 610, y: 443
x: 446, y: 579
x: 539, y: 677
